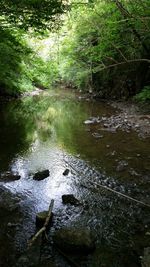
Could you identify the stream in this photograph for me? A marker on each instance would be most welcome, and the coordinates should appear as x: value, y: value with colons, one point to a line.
x: 59, y: 131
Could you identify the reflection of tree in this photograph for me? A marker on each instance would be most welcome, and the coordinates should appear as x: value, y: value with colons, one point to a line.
x: 15, y: 133
x: 44, y: 123
x: 45, y: 119
x: 58, y: 120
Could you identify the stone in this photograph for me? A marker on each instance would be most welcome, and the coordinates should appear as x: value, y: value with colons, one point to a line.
x: 41, y: 217
x: 146, y: 258
x: 97, y: 135
x: 9, y: 224
x: 66, y: 172
x: 92, y: 120
x: 8, y: 201
x: 121, y: 166
x: 9, y: 177
x: 107, y: 146
x: 133, y: 172
x: 74, y: 240
x: 88, y: 122
x: 70, y: 199
x: 41, y: 175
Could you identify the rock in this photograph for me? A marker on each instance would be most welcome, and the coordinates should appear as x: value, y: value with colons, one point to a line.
x: 133, y: 172
x: 93, y: 120
x: 41, y: 217
x: 12, y: 224
x: 23, y: 261
x: 74, y: 240
x: 9, y: 177
x: 113, y: 153
x: 122, y: 166
x: 41, y: 175
x: 97, y: 135
x: 146, y: 258
x: 8, y: 201
x: 66, y: 172
x: 70, y: 199
x: 88, y: 122
x: 147, y: 233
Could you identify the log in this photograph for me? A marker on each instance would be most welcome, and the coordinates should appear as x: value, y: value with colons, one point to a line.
x: 43, y: 229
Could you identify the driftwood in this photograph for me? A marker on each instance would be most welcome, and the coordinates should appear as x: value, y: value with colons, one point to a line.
x: 43, y: 229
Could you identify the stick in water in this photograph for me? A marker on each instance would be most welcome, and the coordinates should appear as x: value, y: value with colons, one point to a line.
x: 43, y: 229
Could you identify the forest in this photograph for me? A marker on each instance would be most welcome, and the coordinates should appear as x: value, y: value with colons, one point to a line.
x: 94, y: 46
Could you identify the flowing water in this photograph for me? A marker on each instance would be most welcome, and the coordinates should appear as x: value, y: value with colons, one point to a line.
x: 48, y: 132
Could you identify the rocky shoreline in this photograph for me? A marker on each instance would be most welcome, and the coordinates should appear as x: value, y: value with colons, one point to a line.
x: 128, y: 117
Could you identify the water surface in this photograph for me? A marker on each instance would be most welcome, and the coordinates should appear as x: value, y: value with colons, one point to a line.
x: 48, y: 132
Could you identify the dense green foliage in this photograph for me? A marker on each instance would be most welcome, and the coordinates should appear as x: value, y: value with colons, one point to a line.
x: 106, y: 47
x: 27, y: 14
x: 21, y: 67
x: 14, y: 54
x: 100, y: 45
x: 144, y: 94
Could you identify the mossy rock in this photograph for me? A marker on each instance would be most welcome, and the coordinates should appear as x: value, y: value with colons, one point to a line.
x: 75, y: 240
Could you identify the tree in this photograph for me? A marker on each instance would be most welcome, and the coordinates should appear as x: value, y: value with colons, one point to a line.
x: 106, y: 46
x: 27, y: 14
x: 20, y: 67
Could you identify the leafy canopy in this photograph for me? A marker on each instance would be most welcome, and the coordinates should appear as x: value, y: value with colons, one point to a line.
x: 30, y: 13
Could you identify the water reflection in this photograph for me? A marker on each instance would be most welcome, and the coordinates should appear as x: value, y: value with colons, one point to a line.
x: 34, y: 127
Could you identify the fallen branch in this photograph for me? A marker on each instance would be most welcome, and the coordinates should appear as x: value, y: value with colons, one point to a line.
x: 118, y: 193
x: 109, y: 189
x: 43, y: 229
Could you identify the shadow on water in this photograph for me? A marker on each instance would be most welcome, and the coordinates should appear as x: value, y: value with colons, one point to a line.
x: 48, y: 132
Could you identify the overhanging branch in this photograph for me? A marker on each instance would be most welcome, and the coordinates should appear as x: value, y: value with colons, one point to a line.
x: 121, y: 63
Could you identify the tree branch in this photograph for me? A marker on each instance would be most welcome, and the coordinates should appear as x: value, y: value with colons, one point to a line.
x: 43, y: 229
x: 96, y: 69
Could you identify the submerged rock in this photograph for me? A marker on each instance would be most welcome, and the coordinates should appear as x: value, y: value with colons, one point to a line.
x: 122, y: 165
x: 70, y: 199
x: 8, y: 201
x: 66, y: 172
x: 9, y: 177
x: 74, y: 240
x: 41, y: 175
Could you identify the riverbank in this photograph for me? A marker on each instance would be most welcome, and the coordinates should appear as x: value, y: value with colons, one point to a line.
x: 133, y: 116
